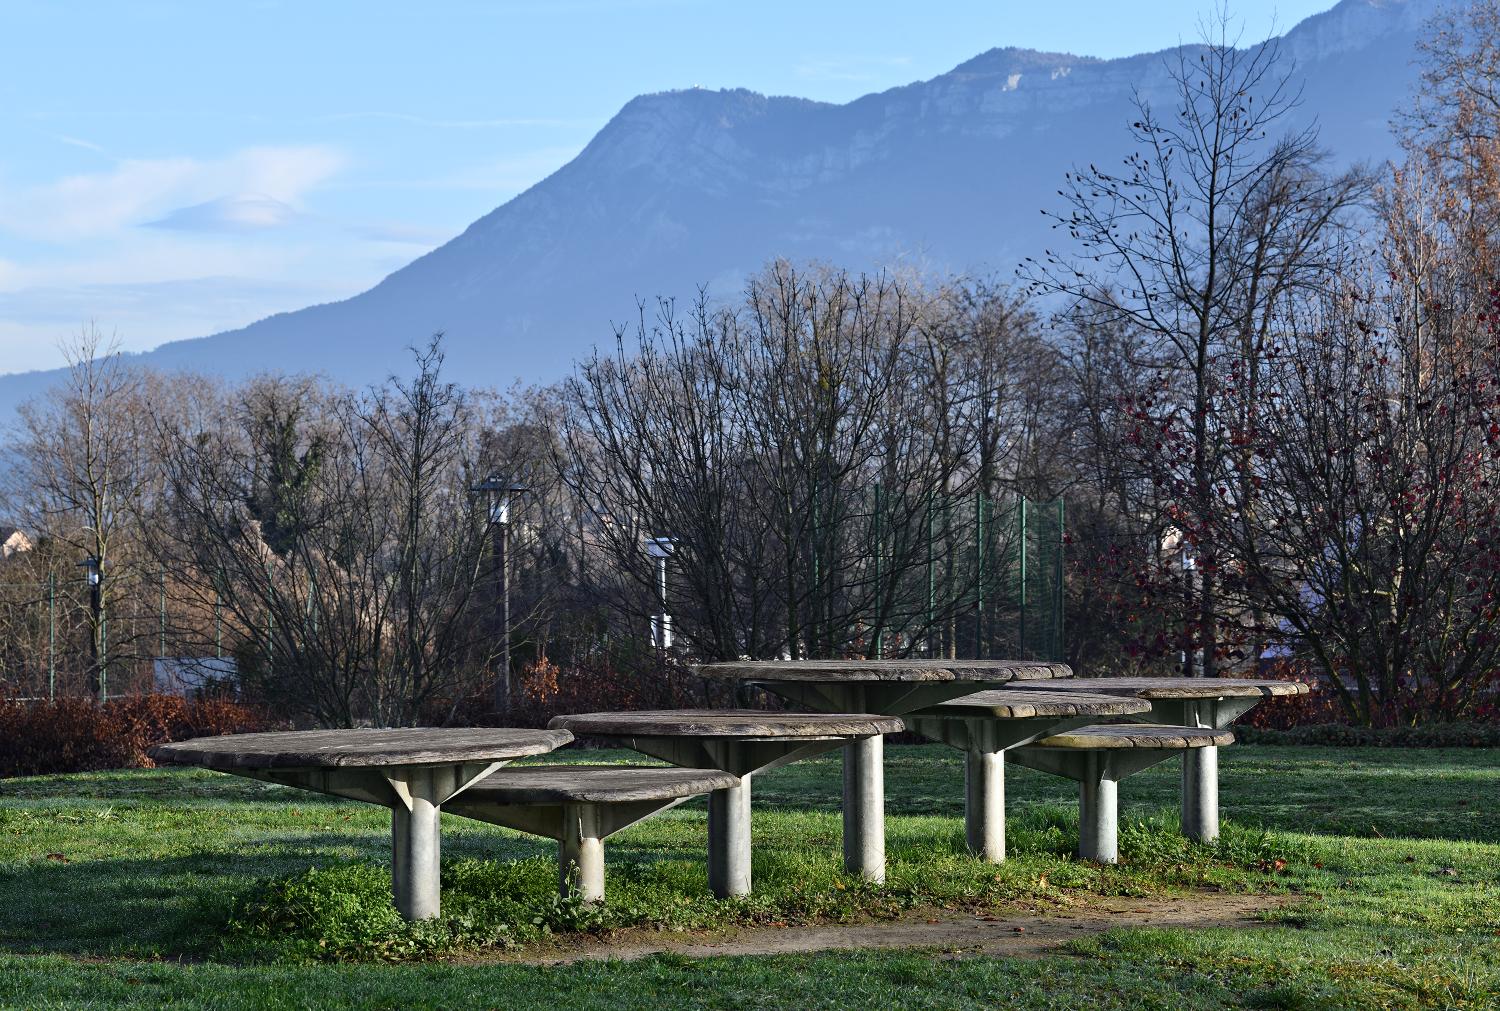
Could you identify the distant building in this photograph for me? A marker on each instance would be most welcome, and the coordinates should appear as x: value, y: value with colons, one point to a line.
x: 191, y: 676
x: 13, y: 541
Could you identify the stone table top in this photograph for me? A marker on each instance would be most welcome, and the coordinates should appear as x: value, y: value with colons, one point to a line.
x: 990, y: 671
x: 329, y: 749
x: 728, y: 723
x: 1136, y: 735
x: 596, y: 784
x: 1021, y: 703
x: 1183, y: 687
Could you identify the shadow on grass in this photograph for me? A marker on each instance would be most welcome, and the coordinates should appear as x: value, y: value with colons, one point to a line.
x: 1422, y: 793
x: 175, y: 905
x: 150, y: 862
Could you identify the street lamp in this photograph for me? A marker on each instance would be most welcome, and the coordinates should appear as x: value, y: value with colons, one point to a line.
x: 1192, y: 665
x: 661, y: 548
x: 94, y: 568
x: 498, y: 492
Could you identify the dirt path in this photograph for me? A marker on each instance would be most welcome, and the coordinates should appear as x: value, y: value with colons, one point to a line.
x: 1013, y: 933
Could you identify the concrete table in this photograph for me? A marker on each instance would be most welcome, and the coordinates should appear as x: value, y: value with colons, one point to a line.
x: 890, y: 687
x: 580, y: 806
x: 411, y: 770
x: 743, y: 742
x: 1097, y: 758
x: 1194, y: 702
x: 985, y: 725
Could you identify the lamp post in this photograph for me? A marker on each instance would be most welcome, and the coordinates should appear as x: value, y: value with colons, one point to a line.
x: 94, y: 568
x: 498, y: 493
x: 1191, y: 659
x: 661, y: 548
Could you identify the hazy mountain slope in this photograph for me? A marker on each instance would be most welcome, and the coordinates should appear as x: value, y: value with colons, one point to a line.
x: 698, y: 187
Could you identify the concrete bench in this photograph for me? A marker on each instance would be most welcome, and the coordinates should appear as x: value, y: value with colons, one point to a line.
x: 1097, y: 758
x: 986, y: 724
x: 414, y: 771
x: 1193, y: 702
x: 743, y: 742
x: 580, y: 806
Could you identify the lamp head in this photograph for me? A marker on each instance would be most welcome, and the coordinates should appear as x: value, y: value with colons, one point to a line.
x: 498, y: 492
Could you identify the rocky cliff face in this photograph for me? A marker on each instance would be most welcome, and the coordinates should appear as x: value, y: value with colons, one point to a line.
x: 699, y: 188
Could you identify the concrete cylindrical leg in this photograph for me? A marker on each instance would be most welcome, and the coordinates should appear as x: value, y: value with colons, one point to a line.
x: 864, y: 808
x: 1098, y: 816
x: 984, y: 804
x: 1200, y: 794
x: 729, y: 840
x: 580, y: 863
x: 415, y: 856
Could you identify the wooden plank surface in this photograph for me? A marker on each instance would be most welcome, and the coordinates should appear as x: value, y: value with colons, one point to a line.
x: 603, y: 784
x: 1136, y: 735
x: 1021, y: 703
x: 1182, y: 688
x: 990, y: 671
x: 312, y: 749
x: 747, y: 723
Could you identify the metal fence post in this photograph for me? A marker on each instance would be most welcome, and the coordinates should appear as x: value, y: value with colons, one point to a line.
x: 51, y: 636
x: 1021, y: 587
x: 931, y: 578
x: 879, y: 623
x: 979, y: 576
x: 270, y: 619
x: 1061, y: 597
x: 103, y: 646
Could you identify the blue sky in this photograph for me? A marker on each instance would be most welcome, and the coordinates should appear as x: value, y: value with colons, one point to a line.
x: 170, y: 169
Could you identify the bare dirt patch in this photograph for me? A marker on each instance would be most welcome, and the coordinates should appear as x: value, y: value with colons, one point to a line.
x: 1014, y: 933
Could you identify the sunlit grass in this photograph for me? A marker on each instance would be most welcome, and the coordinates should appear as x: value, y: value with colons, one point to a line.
x: 1394, y: 858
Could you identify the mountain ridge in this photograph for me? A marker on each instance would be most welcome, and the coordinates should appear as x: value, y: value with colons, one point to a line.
x: 701, y: 187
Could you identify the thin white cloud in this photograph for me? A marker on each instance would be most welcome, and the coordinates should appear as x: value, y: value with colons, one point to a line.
x: 850, y: 68
x: 150, y: 255
x: 461, y: 124
x: 137, y: 191
x: 87, y: 145
x: 401, y: 234
x: 248, y: 212
x: 504, y: 177
x: 144, y: 315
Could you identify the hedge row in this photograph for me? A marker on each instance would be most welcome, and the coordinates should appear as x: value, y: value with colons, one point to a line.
x: 1426, y: 735
x: 80, y: 735
x: 544, y: 690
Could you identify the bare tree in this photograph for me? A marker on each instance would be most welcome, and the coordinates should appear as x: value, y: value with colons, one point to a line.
x: 1211, y: 223
x: 1377, y: 495
x: 79, y: 471
x: 803, y: 447
x: 1451, y: 130
x: 337, y: 532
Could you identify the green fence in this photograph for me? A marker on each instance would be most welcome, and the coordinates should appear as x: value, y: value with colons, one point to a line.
x: 1010, y: 605
x: 52, y: 644
x: 939, y: 576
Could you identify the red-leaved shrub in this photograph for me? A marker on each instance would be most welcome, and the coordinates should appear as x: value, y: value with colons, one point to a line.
x: 80, y: 735
x: 545, y: 690
x: 1411, y: 706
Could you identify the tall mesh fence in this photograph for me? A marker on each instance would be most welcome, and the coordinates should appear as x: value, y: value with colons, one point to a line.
x: 937, y: 576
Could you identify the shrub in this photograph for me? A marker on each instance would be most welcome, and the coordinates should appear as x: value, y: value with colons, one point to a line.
x: 1426, y: 735
x: 80, y: 735
x: 1415, y: 703
x: 544, y: 690
x: 345, y: 912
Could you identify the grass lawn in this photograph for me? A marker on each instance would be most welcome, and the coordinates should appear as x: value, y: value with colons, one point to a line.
x: 176, y: 888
